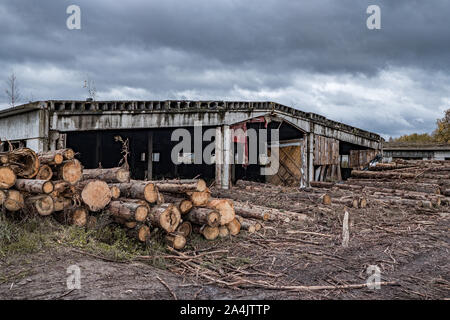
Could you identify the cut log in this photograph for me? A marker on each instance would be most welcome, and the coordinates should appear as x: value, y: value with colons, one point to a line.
x: 14, y: 200
x: 34, y: 186
x: 185, y: 229
x: 112, y: 175
x: 24, y: 162
x: 43, y: 204
x: 7, y: 178
x: 248, y: 225
x: 77, y: 216
x: 165, y: 216
x: 44, y: 173
x: 250, y: 211
x: 234, y: 227
x: 225, y: 209
x: 96, y: 195
x: 138, y: 190
x: 140, y: 232
x: 199, y: 198
x: 176, y: 241
x: 115, y: 192
x: 129, y: 211
x: 70, y: 171
x: 184, y: 205
x: 390, y: 184
x: 3, y: 159
x: 223, y: 232
x: 56, y: 157
x: 51, y: 158
x: 210, y: 233
x: 322, y: 184
x: 395, y: 175
x: 206, y: 216
x: 181, y: 186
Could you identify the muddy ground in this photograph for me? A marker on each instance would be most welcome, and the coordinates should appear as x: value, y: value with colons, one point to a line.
x: 410, y: 247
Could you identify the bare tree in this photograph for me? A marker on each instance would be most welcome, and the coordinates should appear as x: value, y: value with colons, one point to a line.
x: 89, y: 84
x: 12, y: 91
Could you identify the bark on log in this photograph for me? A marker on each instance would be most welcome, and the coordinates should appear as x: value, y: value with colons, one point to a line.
x: 7, y: 178
x: 206, y: 216
x: 184, y: 205
x: 185, y: 229
x: 51, y: 158
x: 234, y: 227
x: 394, y: 175
x: 138, y: 190
x: 70, y: 171
x: 176, y: 241
x: 96, y: 195
x: 225, y: 209
x: 112, y: 175
x: 129, y: 211
x: 248, y: 225
x: 14, y: 200
x: 322, y: 184
x: 44, y: 173
x: 165, y: 216
x: 249, y: 211
x: 34, y: 186
x: 181, y: 186
x: 43, y: 204
x: 418, y: 186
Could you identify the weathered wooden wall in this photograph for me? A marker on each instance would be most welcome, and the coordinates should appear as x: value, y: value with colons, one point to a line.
x: 326, y: 151
x: 361, y: 158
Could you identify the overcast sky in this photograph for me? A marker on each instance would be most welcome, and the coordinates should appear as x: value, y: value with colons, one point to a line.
x: 317, y: 56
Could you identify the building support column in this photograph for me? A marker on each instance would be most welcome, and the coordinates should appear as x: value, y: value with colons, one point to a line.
x: 150, y: 155
x: 223, y: 156
x: 227, y: 157
x: 310, y: 157
x: 218, y: 155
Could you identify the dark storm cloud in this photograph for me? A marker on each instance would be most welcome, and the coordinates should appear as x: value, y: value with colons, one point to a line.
x: 294, y: 52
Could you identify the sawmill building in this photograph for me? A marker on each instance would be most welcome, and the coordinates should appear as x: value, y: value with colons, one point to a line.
x: 311, y: 147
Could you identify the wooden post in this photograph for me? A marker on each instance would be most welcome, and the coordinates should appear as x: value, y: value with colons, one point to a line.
x: 310, y: 160
x: 227, y: 157
x: 219, y: 155
x: 149, y: 155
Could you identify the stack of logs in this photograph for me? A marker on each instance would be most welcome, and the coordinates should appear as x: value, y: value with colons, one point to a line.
x: 416, y: 183
x: 55, y: 183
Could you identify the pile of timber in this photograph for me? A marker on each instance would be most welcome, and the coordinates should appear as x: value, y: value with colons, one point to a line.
x: 55, y: 184
x: 414, y: 183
